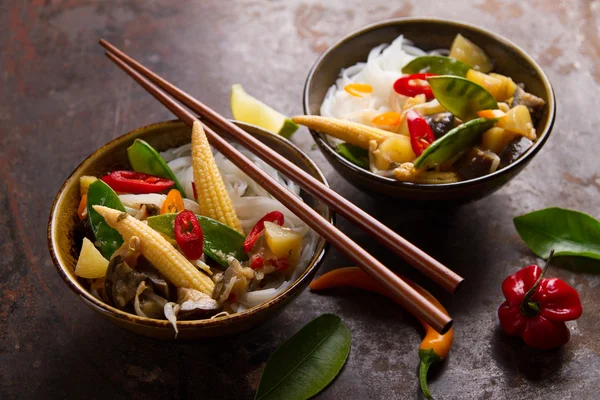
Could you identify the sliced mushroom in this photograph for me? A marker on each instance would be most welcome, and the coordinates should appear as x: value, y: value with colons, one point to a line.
x: 195, y: 305
x: 234, y: 282
x: 121, y: 282
x: 515, y: 149
x: 147, y: 303
x: 440, y: 123
x: 476, y: 163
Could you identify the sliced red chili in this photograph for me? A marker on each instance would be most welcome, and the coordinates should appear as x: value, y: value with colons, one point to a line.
x: 421, y: 135
x: 188, y: 235
x: 407, y: 86
x: 257, y: 262
x: 274, y: 216
x: 136, y: 182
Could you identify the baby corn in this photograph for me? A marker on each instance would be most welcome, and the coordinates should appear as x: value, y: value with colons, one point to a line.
x: 213, y: 199
x: 348, y: 131
x: 170, y: 262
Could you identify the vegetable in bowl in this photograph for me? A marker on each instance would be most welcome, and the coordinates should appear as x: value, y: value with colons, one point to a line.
x: 435, y: 117
x: 173, y: 255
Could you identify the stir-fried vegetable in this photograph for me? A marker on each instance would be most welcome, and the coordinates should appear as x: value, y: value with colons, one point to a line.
x: 144, y: 158
x: 414, y: 85
x: 156, y: 249
x: 351, y: 132
x: 354, y: 154
x: 283, y: 242
x: 460, y: 96
x: 468, y: 52
x: 90, y: 264
x: 439, y: 65
x: 220, y: 241
x: 421, y: 135
x: 136, y: 182
x: 213, y: 199
x: 188, y: 235
x: 457, y: 140
x: 108, y: 240
x: 173, y: 203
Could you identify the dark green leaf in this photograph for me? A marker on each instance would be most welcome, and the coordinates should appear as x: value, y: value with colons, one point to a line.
x: 568, y: 232
x: 354, y: 154
x: 143, y: 158
x: 440, y: 65
x: 220, y: 241
x: 455, y: 141
x: 460, y: 96
x: 307, y: 362
x: 108, y: 240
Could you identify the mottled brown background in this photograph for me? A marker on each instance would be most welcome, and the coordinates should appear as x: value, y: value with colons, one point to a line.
x: 61, y: 99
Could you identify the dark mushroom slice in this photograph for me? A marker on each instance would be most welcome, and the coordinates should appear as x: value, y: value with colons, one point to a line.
x: 160, y: 284
x: 195, y: 305
x: 515, y: 149
x: 440, y: 123
x: 147, y: 303
x: 234, y: 281
x: 121, y: 282
x: 476, y: 163
x: 533, y: 103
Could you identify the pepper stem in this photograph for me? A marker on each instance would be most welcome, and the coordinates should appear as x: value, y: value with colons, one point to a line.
x: 423, y: 368
x: 529, y: 307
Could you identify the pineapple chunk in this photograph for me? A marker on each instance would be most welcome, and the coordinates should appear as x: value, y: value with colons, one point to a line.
x: 468, y: 52
x: 494, y: 85
x: 395, y: 149
x: 91, y: 264
x: 518, y: 120
x: 509, y: 86
x: 283, y: 242
x: 496, y: 139
x: 84, y: 183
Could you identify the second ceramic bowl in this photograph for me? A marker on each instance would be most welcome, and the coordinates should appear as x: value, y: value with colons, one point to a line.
x: 427, y: 34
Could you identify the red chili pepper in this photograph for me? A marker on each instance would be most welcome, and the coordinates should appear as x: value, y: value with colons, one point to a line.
x: 257, y: 262
x: 136, y: 182
x: 188, y: 235
x: 280, y: 264
x: 421, y: 135
x: 536, y: 308
x: 194, y: 190
x: 274, y: 216
x: 406, y: 87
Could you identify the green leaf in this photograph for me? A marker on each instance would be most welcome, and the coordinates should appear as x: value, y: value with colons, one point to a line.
x: 354, y: 154
x: 458, y: 139
x: 143, y: 158
x: 108, y: 240
x: 307, y: 362
x: 440, y: 65
x: 220, y: 241
x: 460, y: 96
x: 568, y: 232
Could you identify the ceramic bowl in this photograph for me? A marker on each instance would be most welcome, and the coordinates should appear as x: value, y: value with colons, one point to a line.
x: 427, y: 34
x: 65, y: 233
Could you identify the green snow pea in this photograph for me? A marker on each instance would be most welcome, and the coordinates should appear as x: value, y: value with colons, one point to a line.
x: 440, y: 65
x: 108, y: 240
x: 460, y: 96
x: 143, y: 158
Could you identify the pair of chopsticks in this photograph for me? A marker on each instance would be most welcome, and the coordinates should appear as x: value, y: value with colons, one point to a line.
x: 410, y: 299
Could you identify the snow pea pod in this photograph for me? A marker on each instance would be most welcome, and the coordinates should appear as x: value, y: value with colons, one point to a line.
x: 108, y: 240
x: 220, y: 241
x: 460, y: 96
x: 354, y: 154
x: 440, y: 65
x: 455, y: 141
x: 144, y: 158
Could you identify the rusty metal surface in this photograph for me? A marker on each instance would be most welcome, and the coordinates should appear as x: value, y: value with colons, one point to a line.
x: 61, y: 99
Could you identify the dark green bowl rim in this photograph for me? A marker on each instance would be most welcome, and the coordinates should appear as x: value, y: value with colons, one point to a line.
x: 78, y: 289
x: 390, y: 182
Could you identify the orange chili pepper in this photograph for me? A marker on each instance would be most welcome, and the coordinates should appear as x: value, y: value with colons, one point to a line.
x: 82, y: 209
x: 358, y: 89
x: 173, y: 203
x: 387, y: 119
x: 434, y: 346
x: 491, y: 114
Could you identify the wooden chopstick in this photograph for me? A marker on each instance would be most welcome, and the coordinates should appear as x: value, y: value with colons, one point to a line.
x: 410, y: 299
x: 429, y: 266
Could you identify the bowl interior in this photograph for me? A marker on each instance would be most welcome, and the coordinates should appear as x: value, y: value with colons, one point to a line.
x: 427, y: 34
x: 65, y: 233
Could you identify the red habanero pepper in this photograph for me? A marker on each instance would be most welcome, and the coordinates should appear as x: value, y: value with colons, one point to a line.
x: 536, y: 308
x: 136, y: 182
x: 274, y: 216
x: 406, y: 87
x: 188, y: 235
x: 421, y: 135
